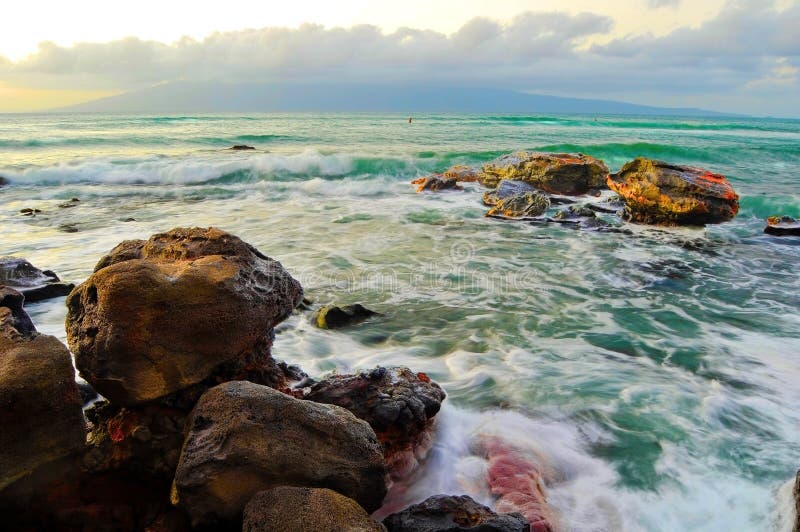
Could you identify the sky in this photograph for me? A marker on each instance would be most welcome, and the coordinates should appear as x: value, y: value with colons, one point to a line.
x: 730, y: 55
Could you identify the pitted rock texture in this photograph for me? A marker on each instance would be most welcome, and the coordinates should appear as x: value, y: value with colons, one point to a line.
x: 556, y: 173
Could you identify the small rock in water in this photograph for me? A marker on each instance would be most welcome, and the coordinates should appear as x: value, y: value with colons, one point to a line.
x: 129, y: 219
x: 29, y: 212
x: 68, y: 228
x: 782, y: 226
x: 531, y: 204
x: 3, y: 181
x: 436, y: 182
x: 453, y: 513
x: 575, y: 213
x: 289, y: 508
x: 333, y: 317
x: 241, y: 147
x: 32, y: 282
x: 71, y: 203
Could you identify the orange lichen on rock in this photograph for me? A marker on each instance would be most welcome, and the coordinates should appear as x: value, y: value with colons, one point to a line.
x: 660, y: 193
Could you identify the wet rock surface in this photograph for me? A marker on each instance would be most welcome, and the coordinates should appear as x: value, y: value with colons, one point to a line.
x: 660, y: 193
x: 556, y: 173
x: 796, y: 493
x: 505, y: 189
x: 33, y: 283
x: 12, y: 313
x: 397, y: 403
x: 243, y: 438
x: 782, y: 226
x: 333, y: 317
x: 241, y: 147
x: 161, y: 315
x: 287, y: 509
x: 529, y: 205
x: 436, y: 182
x: 462, y: 173
x: 447, y: 513
x: 4, y: 181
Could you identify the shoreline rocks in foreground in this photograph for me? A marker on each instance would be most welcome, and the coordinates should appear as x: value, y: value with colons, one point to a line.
x: 454, y: 514
x: 33, y: 283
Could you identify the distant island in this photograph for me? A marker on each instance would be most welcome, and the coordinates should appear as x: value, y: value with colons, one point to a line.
x: 213, y: 97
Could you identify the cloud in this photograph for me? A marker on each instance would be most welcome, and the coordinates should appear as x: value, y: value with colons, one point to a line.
x: 663, y: 3
x: 749, y: 53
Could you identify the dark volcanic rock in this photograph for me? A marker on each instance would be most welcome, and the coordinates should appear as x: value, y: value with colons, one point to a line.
x: 445, y: 513
x: 333, y: 317
x: 397, y: 403
x: 660, y: 193
x: 87, y: 393
x: 69, y: 204
x: 241, y: 147
x: 529, y: 205
x: 33, y: 283
x: 243, y: 438
x: 436, y: 182
x: 3, y: 181
x: 166, y: 314
x: 506, y: 189
x: 556, y: 173
x: 287, y: 509
x: 782, y: 226
x: 40, y: 407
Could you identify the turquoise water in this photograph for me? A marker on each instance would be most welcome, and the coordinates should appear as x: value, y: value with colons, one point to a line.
x: 654, y: 369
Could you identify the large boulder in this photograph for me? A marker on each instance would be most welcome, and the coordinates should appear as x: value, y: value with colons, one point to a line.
x: 557, y: 173
x: 397, y: 403
x: 40, y: 407
x: 447, y: 513
x: 243, y: 438
x: 33, y: 283
x: 161, y: 315
x: 529, y: 205
x: 660, y: 193
x: 290, y: 509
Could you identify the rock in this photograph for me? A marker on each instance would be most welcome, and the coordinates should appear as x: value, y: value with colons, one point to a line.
x: 582, y: 216
x: 240, y: 147
x: 333, y: 317
x: 557, y: 173
x: 40, y: 407
x: 29, y: 212
x: 13, y: 314
x: 87, y: 393
x: 71, y: 203
x: 68, y: 228
x: 287, y: 509
x: 505, y: 189
x: 243, y: 438
x: 796, y: 494
x: 782, y: 226
x: 531, y: 204
x: 436, y: 182
x: 4, y: 181
x: 33, y: 283
x: 449, y: 513
x: 162, y: 315
x: 461, y: 173
x: 660, y: 193
x: 398, y: 404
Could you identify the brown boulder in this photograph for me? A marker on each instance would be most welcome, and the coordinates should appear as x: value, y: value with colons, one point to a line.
x: 462, y: 173
x: 557, y: 173
x: 290, y: 509
x: 660, y: 193
x: 447, y: 513
x: 40, y: 407
x: 243, y: 438
x: 528, y: 205
x: 397, y: 403
x: 436, y: 182
x: 161, y: 315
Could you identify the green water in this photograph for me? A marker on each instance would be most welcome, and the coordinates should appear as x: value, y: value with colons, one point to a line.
x: 655, y: 369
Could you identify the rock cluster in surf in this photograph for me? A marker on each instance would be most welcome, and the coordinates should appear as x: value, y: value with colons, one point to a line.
x: 525, y: 184
x: 199, y: 426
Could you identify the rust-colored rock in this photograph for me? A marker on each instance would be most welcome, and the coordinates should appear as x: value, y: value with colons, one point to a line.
x: 660, y: 193
x: 556, y: 173
x: 462, y: 173
x: 161, y: 315
x: 436, y: 182
x: 454, y: 514
x: 287, y: 509
x: 243, y: 438
x: 40, y: 407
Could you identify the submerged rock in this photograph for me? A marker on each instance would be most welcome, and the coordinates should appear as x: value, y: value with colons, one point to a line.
x: 69, y: 204
x: 660, y: 193
x: 243, y: 438
x: 4, y: 181
x: 33, y: 283
x: 27, y: 211
x: 782, y: 226
x: 449, y: 513
x: 531, y: 205
x: 397, y: 403
x: 162, y: 315
x: 241, y: 147
x: 436, y: 182
x: 333, y: 317
x: 287, y: 509
x: 40, y: 407
x: 557, y: 173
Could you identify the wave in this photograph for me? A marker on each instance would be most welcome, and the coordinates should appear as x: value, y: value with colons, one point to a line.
x: 147, y: 140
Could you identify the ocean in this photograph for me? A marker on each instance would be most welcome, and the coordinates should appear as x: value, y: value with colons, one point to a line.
x: 654, y: 369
